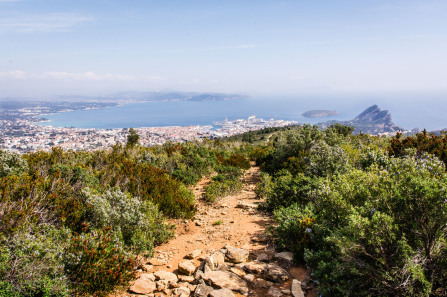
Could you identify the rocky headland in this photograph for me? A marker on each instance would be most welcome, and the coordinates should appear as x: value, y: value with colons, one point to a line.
x: 372, y: 120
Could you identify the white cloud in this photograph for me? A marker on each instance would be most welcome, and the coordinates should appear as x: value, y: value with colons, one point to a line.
x: 78, y: 76
x: 54, y: 22
x: 17, y: 74
x: 86, y: 76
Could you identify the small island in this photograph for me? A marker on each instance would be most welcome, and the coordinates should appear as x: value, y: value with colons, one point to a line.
x: 320, y: 113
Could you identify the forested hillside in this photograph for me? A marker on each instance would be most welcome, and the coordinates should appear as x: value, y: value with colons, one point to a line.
x: 367, y: 214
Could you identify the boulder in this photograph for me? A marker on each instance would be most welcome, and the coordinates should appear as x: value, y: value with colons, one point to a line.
x: 181, y: 292
x: 255, y: 267
x: 164, y: 275
x: 296, y: 289
x: 143, y: 286
x: 225, y: 279
x: 162, y: 284
x: 236, y: 255
x: 202, y: 290
x: 186, y: 278
x: 222, y: 293
x: 187, y: 267
x: 213, y: 261
x: 285, y: 259
x: 262, y: 258
x: 194, y: 254
x: 275, y: 273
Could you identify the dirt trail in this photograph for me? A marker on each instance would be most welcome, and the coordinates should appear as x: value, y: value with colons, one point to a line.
x: 217, y: 224
x: 233, y: 220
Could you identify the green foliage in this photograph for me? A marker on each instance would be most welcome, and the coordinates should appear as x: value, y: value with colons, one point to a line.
x: 367, y: 224
x: 137, y: 223
x: 132, y: 138
x: 11, y: 164
x: 342, y: 129
x: 219, y: 189
x: 288, y: 189
x: 294, y: 229
x: 31, y: 262
x: 422, y: 142
x: 97, y: 264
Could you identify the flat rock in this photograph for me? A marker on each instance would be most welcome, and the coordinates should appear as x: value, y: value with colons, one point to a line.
x: 181, y: 292
x: 164, y: 275
x: 284, y: 259
x: 202, y: 290
x: 143, y: 286
x: 225, y: 279
x: 275, y: 273
x: 186, y: 278
x: 274, y: 292
x: 236, y: 255
x: 222, y: 293
x: 187, y: 267
x: 194, y: 254
x: 255, y: 267
x: 296, y: 289
x: 237, y: 271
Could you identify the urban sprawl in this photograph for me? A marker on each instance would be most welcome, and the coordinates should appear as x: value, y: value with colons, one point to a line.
x: 27, y: 136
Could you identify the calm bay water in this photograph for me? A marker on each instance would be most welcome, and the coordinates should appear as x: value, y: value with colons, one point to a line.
x: 422, y: 111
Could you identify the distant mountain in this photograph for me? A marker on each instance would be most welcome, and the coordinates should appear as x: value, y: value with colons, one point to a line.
x: 158, y: 96
x: 320, y: 113
x: 372, y: 120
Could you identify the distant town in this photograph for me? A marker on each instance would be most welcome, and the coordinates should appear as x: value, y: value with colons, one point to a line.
x: 20, y: 131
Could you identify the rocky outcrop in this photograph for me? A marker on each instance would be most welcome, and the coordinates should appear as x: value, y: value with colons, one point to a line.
x: 372, y: 120
x: 224, y: 273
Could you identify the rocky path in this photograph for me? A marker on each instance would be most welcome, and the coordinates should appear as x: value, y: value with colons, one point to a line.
x: 223, y: 251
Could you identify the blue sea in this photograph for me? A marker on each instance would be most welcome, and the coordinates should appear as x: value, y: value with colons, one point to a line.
x: 408, y: 111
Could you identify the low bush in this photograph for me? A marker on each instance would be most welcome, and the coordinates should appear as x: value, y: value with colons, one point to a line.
x: 294, y: 229
x: 137, y: 223
x: 219, y: 189
x: 97, y: 264
x: 31, y: 262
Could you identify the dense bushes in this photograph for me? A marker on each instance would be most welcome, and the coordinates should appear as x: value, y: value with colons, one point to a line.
x: 367, y: 224
x: 71, y: 223
x: 96, y: 263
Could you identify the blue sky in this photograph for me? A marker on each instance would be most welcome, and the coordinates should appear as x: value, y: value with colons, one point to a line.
x: 50, y: 47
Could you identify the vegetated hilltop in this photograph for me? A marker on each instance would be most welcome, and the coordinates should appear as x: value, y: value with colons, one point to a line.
x: 367, y: 214
x: 372, y: 120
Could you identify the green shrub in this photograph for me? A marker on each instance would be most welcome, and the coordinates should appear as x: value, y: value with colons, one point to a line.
x: 31, y: 262
x: 294, y: 229
x: 217, y: 189
x: 138, y: 223
x: 288, y: 189
x: 97, y: 264
x: 11, y: 163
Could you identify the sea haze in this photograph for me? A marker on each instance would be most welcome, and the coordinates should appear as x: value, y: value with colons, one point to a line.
x: 408, y: 111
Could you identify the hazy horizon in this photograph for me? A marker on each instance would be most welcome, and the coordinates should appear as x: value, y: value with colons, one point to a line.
x: 66, y: 47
